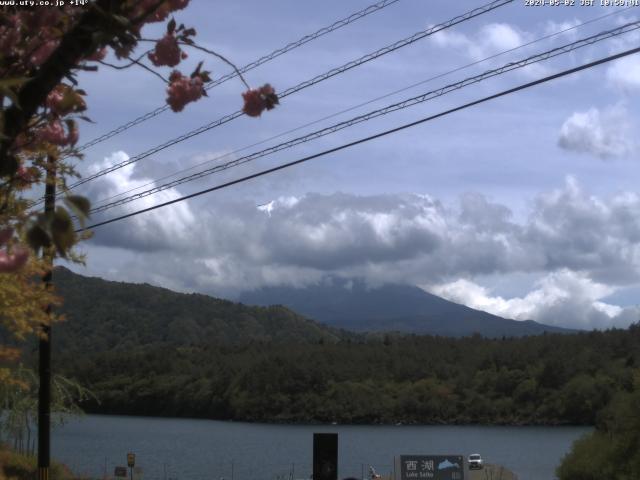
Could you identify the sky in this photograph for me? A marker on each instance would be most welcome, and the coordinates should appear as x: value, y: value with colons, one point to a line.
x: 527, y: 206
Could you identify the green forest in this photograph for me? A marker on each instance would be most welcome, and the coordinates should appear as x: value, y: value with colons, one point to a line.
x: 540, y: 380
x: 142, y: 350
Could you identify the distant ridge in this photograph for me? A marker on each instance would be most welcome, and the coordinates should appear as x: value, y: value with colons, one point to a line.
x: 104, y: 315
x: 351, y: 304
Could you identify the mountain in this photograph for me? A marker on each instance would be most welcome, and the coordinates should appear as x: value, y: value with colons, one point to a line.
x: 104, y: 315
x: 352, y: 305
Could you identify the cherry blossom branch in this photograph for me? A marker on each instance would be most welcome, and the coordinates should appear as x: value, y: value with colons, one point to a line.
x: 128, y: 65
x: 210, y: 52
x: 134, y: 62
x: 75, y: 45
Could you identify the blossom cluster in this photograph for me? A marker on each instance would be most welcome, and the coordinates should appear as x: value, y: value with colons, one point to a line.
x: 183, y: 90
x: 33, y: 44
x: 14, y: 260
x: 259, y: 99
x: 167, y: 52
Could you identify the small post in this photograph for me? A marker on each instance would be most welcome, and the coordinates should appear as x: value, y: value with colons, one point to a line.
x: 131, y: 462
x: 325, y: 456
x: 44, y: 353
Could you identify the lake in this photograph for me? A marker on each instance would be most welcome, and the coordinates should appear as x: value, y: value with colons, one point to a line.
x: 189, y: 449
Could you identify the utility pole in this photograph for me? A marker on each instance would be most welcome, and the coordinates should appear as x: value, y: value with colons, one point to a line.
x: 44, y: 371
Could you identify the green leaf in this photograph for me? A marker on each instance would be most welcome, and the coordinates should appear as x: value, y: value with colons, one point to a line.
x: 171, y: 26
x: 13, y: 82
x: 123, y: 21
x: 69, y: 100
x: 62, y: 231
x: 38, y: 238
x: 196, y: 72
x: 80, y: 205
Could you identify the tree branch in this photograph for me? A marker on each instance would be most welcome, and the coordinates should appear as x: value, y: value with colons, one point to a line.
x: 135, y: 62
x: 75, y: 45
x: 225, y: 60
x: 128, y: 65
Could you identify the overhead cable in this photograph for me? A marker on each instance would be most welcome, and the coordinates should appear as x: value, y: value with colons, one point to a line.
x: 371, y: 137
x: 368, y: 102
x: 264, y: 59
x: 380, y: 112
x: 308, y: 83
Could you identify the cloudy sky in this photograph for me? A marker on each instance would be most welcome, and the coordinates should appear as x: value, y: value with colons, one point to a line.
x: 527, y: 206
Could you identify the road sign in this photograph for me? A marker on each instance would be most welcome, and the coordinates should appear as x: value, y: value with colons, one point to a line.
x: 120, y: 472
x: 131, y: 459
x: 430, y: 467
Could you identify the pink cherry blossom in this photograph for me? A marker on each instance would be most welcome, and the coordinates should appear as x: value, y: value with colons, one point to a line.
x: 253, y: 103
x: 161, y: 12
x: 10, y: 34
x: 46, y: 17
x: 43, y: 52
x: 54, y: 133
x: 62, y: 100
x: 97, y: 56
x: 178, y: 4
x: 14, y: 261
x: 257, y: 100
x: 183, y: 90
x: 166, y: 52
x: 54, y: 100
x: 5, y: 235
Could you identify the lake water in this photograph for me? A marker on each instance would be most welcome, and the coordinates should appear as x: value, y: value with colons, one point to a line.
x: 186, y: 449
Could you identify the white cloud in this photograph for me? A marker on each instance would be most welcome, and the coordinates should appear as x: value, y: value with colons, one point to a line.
x: 624, y: 74
x: 500, y: 36
x: 451, y: 38
x: 552, y: 28
x: 588, y: 246
x: 491, y: 39
x: 159, y: 229
x: 563, y: 298
x: 604, y: 134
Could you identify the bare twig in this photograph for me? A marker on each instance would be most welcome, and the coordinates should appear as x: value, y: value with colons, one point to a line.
x: 210, y: 52
x: 135, y: 62
x: 128, y: 65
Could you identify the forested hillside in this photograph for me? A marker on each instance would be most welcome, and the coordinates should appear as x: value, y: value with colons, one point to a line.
x: 103, y: 315
x: 547, y: 379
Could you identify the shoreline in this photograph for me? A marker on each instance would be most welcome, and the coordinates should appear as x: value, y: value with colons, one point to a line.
x: 310, y: 422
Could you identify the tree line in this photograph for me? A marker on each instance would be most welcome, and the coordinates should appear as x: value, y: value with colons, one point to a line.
x: 540, y: 380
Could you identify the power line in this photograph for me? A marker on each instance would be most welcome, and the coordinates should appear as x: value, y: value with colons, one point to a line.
x: 381, y: 111
x: 308, y: 83
x: 372, y: 137
x: 264, y: 59
x: 368, y: 102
